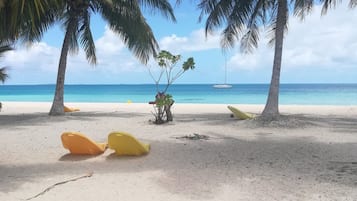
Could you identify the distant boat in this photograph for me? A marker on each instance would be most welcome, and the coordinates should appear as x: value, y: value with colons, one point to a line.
x: 222, y: 86
x: 225, y: 85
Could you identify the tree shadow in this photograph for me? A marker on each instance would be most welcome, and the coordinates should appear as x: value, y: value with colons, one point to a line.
x: 200, y: 168
x: 17, y: 121
x: 207, y: 118
x: 297, y: 121
x: 72, y: 157
x: 114, y: 156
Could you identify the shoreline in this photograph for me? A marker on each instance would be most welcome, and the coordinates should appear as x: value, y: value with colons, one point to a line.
x: 28, y: 106
x: 129, y: 101
x: 315, y: 151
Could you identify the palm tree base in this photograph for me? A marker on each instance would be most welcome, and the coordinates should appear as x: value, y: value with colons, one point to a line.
x: 269, y: 117
x: 56, y: 111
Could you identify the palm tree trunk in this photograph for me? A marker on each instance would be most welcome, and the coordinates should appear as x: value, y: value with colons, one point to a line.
x: 57, y: 104
x: 271, y: 110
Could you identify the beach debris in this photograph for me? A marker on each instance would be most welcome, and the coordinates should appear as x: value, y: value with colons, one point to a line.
x: 60, y: 183
x: 194, y: 136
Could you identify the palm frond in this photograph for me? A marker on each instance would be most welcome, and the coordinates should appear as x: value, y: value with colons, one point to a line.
x: 218, y: 13
x: 3, y: 74
x: 238, y: 20
x: 327, y: 4
x: 230, y: 35
x: 258, y: 12
x: 257, y: 18
x: 268, y: 9
x: 139, y: 38
x: 71, y: 27
x: 272, y: 30
x: 303, y: 8
x: 272, y: 26
x: 86, y: 38
x: 162, y: 6
x: 249, y: 41
x: 271, y: 33
x: 4, y: 48
x: 27, y: 20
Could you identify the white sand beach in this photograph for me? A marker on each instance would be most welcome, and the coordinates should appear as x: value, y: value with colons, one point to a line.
x: 312, y: 155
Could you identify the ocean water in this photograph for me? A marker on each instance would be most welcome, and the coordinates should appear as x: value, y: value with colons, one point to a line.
x: 300, y: 94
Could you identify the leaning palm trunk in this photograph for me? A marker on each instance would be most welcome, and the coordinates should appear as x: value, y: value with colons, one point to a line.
x: 58, y: 105
x: 271, y: 110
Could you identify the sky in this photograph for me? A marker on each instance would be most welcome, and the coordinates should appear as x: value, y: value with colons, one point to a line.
x: 320, y: 49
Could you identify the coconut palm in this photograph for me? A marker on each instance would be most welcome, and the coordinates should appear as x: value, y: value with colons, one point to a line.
x: 123, y: 16
x: 244, y: 20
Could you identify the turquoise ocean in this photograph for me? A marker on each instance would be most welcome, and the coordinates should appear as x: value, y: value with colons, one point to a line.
x: 299, y: 94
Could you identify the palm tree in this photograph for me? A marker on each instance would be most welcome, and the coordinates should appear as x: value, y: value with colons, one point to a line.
x: 30, y: 19
x: 244, y: 20
x: 121, y: 16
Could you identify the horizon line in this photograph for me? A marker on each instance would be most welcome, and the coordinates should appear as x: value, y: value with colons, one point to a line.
x: 34, y: 84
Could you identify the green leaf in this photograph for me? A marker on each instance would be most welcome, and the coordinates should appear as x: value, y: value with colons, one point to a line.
x: 189, y: 64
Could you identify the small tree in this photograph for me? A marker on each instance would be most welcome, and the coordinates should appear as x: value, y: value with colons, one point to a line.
x: 167, y: 63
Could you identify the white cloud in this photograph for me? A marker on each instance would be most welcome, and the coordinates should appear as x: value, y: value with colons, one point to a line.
x: 40, y: 61
x: 250, y: 62
x: 38, y: 56
x: 325, y: 42
x: 112, y: 56
x: 110, y: 43
x: 328, y: 41
x: 196, y: 41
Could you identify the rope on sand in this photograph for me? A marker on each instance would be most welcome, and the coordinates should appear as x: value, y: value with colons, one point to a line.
x: 59, y: 183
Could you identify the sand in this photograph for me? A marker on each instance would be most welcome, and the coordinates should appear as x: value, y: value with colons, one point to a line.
x: 311, y: 154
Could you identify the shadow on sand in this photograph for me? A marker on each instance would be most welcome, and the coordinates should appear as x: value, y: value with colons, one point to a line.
x: 210, y: 164
x: 205, y: 164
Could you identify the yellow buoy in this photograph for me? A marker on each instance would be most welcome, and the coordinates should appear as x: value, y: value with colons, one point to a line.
x: 129, y: 101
